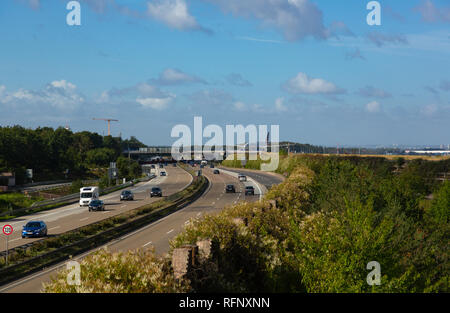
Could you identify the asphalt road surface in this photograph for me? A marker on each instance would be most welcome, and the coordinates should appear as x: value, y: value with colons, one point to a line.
x: 69, y: 217
x: 157, y: 234
x: 267, y: 179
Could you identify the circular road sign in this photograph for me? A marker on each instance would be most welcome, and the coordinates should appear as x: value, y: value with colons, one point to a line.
x: 7, y: 230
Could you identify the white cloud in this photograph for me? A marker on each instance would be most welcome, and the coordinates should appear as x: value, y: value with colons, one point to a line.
x: 380, y: 39
x: 58, y: 94
x: 373, y: 107
x: 431, y: 14
x: 34, y: 4
x: 429, y: 110
x: 155, y: 103
x: 2, y: 90
x: 173, y: 13
x: 279, y: 106
x: 296, y: 19
x: 237, y: 80
x: 172, y: 76
x: 302, y: 84
x: 372, y: 92
x: 240, y: 106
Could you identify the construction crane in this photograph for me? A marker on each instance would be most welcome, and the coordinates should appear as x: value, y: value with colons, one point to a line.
x: 109, y: 123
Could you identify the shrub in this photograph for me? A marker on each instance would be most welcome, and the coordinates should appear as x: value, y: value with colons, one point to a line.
x: 131, y: 272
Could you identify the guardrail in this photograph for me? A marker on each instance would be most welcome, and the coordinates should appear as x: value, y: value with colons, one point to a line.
x: 72, y: 198
x: 138, y: 220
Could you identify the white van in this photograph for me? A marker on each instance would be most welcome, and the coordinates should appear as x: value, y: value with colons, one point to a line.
x: 87, y: 194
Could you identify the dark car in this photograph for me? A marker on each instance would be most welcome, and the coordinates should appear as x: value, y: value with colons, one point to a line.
x: 126, y: 195
x: 153, y: 166
x: 249, y: 190
x: 156, y: 192
x: 34, y: 229
x: 230, y: 189
x: 96, y: 205
x: 161, y: 166
x: 216, y: 172
x: 202, y: 166
x: 174, y: 164
x: 211, y: 165
x: 163, y: 174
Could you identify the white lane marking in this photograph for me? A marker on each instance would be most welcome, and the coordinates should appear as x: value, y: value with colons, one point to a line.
x: 83, y: 219
x: 147, y: 244
x: 170, y: 231
x: 199, y: 213
x: 15, y: 239
x: 104, y: 212
x: 213, y: 203
x: 54, y: 227
x: 123, y: 206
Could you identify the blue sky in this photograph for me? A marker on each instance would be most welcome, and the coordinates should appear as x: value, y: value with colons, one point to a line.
x: 313, y: 67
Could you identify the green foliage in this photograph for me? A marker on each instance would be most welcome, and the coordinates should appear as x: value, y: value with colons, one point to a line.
x: 440, y: 207
x: 76, y: 186
x: 332, y: 216
x: 100, y: 157
x: 50, y: 152
x: 13, y: 201
x: 131, y: 272
x: 129, y: 169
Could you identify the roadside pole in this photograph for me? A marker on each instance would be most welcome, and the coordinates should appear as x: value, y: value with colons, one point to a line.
x: 7, y: 230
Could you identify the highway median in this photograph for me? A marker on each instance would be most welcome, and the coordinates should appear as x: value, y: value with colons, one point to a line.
x: 28, y: 259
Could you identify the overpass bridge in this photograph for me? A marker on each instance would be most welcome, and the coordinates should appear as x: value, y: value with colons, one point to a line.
x: 152, y: 155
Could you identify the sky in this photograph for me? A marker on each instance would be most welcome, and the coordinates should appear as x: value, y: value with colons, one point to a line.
x: 315, y: 68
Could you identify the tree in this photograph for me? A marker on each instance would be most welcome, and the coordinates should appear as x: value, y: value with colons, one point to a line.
x: 440, y: 208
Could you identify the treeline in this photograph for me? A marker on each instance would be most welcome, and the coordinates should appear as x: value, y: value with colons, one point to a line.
x: 332, y: 217
x: 307, y: 148
x: 58, y: 153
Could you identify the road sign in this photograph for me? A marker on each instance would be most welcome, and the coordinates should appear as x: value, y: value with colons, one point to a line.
x: 29, y: 173
x: 7, y: 230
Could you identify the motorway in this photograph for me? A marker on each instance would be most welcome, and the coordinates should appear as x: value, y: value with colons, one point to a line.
x: 69, y: 217
x: 158, y: 234
x: 267, y: 179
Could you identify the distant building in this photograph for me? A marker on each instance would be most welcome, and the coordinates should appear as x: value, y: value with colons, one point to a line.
x: 7, y: 179
x: 428, y: 152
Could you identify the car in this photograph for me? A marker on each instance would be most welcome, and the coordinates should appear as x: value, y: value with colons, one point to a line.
x: 163, y: 174
x: 242, y: 177
x: 230, y: 189
x: 174, y: 164
x: 161, y: 166
x: 202, y: 166
x: 153, y: 166
x: 96, y: 205
x: 216, y: 172
x: 156, y: 192
x: 34, y: 229
x: 249, y: 190
x: 126, y: 195
x: 211, y: 166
